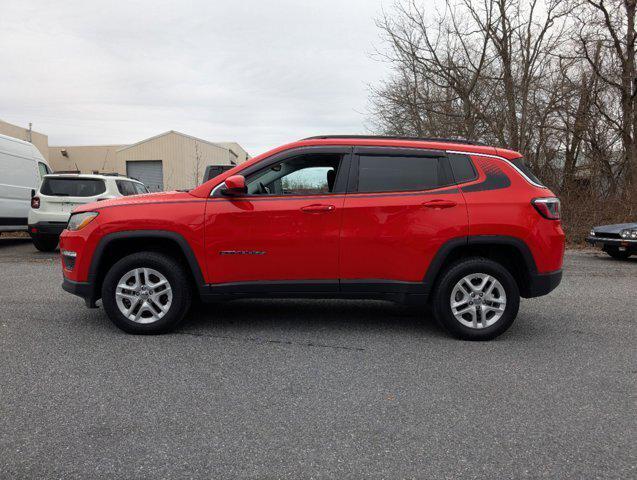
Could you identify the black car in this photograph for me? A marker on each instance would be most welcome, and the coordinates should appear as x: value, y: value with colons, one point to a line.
x: 213, y: 170
x: 619, y: 241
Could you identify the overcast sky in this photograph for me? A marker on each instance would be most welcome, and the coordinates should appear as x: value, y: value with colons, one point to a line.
x: 253, y: 71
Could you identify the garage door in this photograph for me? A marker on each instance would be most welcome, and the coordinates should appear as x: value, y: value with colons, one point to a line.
x: 149, y: 172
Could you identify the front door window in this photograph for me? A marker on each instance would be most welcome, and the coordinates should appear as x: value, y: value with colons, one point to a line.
x: 43, y: 169
x: 310, y: 174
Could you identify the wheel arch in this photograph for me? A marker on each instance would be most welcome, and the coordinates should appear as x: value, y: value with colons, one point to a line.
x: 114, y: 246
x: 511, y: 252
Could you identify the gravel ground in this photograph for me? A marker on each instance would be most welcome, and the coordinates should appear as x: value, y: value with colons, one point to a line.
x: 318, y: 389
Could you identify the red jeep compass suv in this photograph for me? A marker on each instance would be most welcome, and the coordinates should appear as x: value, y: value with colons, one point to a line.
x: 465, y: 227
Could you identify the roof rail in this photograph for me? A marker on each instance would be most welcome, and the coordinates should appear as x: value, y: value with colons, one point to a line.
x: 396, y: 137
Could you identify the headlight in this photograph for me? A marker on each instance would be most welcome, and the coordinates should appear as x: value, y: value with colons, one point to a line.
x: 625, y: 233
x: 80, y: 220
x: 633, y: 234
x: 592, y: 234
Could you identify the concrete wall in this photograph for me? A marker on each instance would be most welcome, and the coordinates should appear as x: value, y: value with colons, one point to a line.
x: 86, y: 159
x: 184, y: 158
x: 40, y: 140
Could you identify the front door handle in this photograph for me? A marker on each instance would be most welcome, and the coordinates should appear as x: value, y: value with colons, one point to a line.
x: 438, y: 203
x: 317, y: 208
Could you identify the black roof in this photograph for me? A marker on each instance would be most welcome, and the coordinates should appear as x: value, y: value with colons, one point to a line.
x: 392, y: 137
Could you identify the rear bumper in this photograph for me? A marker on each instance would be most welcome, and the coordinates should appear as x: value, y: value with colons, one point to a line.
x: 86, y: 290
x: 542, y: 284
x: 47, y: 228
x: 612, y: 242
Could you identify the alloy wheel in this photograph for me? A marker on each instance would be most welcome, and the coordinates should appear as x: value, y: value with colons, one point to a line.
x: 143, y: 295
x: 478, y: 300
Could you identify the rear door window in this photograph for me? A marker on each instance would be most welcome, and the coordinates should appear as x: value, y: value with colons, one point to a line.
x: 72, y: 187
x: 386, y: 173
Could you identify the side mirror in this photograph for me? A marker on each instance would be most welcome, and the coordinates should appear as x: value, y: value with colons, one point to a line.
x: 235, y: 185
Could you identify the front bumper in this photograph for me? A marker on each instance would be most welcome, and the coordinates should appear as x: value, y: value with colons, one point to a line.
x: 46, y: 228
x: 86, y: 290
x: 542, y: 284
x: 601, y: 241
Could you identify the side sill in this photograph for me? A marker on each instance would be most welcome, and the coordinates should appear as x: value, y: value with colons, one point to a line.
x: 402, y: 292
x: 403, y: 298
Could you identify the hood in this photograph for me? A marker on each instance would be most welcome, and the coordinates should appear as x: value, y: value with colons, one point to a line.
x: 615, y: 228
x: 158, y: 197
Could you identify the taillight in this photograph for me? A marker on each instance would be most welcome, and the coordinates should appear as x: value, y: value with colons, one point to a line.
x: 35, y: 202
x: 547, y: 207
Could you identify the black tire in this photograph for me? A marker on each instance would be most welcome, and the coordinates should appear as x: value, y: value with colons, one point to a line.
x: 616, y: 253
x: 45, y: 243
x: 444, y: 289
x: 180, y: 286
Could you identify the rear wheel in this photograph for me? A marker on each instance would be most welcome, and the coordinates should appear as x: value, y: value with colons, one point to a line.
x: 45, y: 243
x: 476, y: 299
x: 146, y: 293
x: 615, y: 252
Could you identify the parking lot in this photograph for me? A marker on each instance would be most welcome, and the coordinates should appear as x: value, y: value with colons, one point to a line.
x: 318, y: 389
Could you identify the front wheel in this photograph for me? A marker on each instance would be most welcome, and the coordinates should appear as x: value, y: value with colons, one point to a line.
x: 146, y: 293
x: 476, y: 299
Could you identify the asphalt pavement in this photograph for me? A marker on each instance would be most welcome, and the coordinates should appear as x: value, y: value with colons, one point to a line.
x: 316, y: 388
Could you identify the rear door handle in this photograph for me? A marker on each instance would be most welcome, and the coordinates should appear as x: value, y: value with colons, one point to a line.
x: 317, y: 208
x: 438, y: 203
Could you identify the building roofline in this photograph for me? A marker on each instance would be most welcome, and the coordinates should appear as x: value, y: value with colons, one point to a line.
x: 89, y: 146
x: 168, y: 133
x: 23, y: 128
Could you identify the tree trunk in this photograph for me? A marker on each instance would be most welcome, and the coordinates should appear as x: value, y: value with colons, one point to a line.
x: 630, y: 115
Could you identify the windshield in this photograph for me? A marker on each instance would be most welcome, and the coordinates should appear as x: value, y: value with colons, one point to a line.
x: 526, y: 170
x: 72, y: 187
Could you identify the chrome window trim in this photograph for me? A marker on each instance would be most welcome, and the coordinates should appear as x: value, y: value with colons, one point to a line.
x: 214, y: 190
x: 509, y: 162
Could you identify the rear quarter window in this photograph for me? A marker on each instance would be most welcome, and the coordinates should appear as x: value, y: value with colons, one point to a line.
x: 72, y: 187
x: 126, y: 188
x: 140, y: 188
x: 526, y: 170
x: 463, y: 170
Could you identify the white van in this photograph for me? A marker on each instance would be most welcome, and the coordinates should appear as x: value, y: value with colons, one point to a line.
x: 21, y: 170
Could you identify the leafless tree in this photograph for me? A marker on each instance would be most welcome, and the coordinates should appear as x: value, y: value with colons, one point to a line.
x: 197, y: 171
x: 478, y: 66
x: 553, y: 79
x: 606, y: 40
